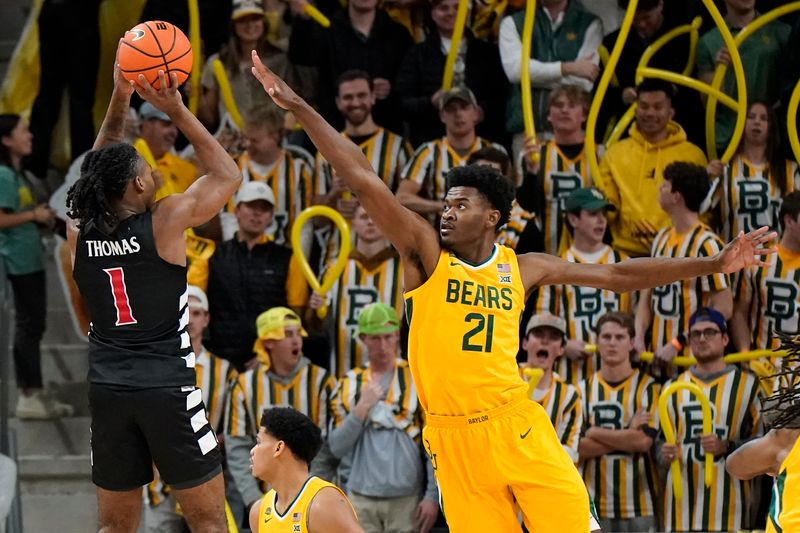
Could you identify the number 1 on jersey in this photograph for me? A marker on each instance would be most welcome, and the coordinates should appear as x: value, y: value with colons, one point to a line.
x: 483, y: 322
x: 116, y: 276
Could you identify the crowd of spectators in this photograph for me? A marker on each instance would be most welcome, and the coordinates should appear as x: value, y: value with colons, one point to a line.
x: 261, y: 332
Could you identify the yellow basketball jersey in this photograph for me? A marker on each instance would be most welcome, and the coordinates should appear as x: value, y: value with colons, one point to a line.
x: 464, y: 334
x: 784, y: 513
x: 295, y: 518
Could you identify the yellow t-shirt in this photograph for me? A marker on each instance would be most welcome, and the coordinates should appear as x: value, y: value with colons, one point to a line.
x: 464, y: 334
x: 784, y: 513
x: 295, y: 518
x: 177, y: 175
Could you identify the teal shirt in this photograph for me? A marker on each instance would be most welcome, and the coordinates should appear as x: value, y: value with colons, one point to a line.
x: 20, y: 246
x: 761, y: 58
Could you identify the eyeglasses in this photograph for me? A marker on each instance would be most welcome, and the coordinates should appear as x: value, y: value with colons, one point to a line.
x: 709, y: 334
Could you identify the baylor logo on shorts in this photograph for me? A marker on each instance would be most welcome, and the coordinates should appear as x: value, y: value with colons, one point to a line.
x: 563, y: 185
x: 667, y: 298
x: 756, y: 209
x: 357, y: 299
x: 693, y: 422
x: 781, y: 303
x: 607, y: 415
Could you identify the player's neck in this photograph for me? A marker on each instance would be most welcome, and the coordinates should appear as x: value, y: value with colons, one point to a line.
x: 586, y: 244
x: 568, y: 137
x: 289, y: 484
x: 682, y: 219
x: 475, y: 253
x: 461, y: 142
x: 368, y: 127
x: 616, y: 373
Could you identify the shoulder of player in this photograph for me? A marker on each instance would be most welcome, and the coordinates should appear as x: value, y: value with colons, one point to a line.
x: 330, y: 510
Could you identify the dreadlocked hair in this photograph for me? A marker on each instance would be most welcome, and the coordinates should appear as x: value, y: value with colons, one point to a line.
x: 105, y: 174
x: 783, y: 406
x: 496, y: 188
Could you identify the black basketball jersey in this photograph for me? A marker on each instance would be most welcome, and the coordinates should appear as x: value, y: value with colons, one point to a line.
x: 138, y: 307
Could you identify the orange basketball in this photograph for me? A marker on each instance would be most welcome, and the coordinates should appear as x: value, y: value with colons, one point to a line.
x: 152, y: 46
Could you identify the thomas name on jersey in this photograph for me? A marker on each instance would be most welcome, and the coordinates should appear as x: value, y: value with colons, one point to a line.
x: 109, y: 248
x: 477, y: 294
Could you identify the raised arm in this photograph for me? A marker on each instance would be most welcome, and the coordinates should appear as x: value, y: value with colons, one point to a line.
x: 207, y: 195
x: 412, y: 236
x: 646, y: 272
x: 113, y: 128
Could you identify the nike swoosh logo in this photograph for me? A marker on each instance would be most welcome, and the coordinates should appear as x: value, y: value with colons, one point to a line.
x: 455, y: 264
x: 523, y: 435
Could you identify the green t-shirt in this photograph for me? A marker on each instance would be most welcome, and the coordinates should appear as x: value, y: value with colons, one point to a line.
x: 20, y: 246
x: 761, y: 59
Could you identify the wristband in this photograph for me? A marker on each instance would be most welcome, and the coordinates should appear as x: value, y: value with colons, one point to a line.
x: 676, y: 343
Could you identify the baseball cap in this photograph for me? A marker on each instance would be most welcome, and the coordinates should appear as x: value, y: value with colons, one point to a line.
x: 709, y: 314
x: 588, y: 198
x: 255, y: 190
x: 193, y: 291
x: 270, y: 323
x: 243, y: 8
x: 148, y: 111
x: 377, y: 319
x: 547, y: 320
x: 457, y: 93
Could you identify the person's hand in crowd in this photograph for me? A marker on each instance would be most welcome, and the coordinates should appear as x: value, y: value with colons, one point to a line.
x: 43, y: 215
x: 316, y: 300
x: 371, y: 394
x: 670, y: 452
x: 666, y: 353
x: 640, y: 418
x: 275, y: 87
x: 638, y: 345
x: 531, y: 146
x: 426, y: 514
x: 713, y: 444
x: 436, y: 98
x: 575, y: 350
x: 382, y: 88
x: 629, y: 95
x: 347, y: 207
x: 297, y: 7
x: 715, y: 168
x: 165, y: 98
x: 723, y: 57
x: 585, y: 68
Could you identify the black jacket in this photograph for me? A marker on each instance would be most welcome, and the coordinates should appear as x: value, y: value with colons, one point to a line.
x: 242, y: 284
x: 420, y: 77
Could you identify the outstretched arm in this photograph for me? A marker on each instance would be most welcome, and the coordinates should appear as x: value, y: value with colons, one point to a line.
x: 646, y: 272
x: 762, y: 455
x: 113, y: 128
x: 407, y: 231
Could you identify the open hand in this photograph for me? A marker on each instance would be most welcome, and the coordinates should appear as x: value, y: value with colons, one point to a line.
x: 165, y: 98
x: 745, y: 250
x: 276, y: 88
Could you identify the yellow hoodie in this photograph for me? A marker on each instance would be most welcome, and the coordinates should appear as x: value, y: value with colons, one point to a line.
x: 631, y: 173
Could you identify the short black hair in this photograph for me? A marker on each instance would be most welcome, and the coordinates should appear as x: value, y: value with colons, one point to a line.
x: 496, y: 188
x: 691, y: 181
x: 653, y: 85
x: 790, y: 206
x: 354, y: 74
x: 294, y: 428
x: 642, y: 5
x: 495, y: 155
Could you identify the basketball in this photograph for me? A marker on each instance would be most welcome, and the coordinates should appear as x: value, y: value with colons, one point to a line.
x: 152, y: 46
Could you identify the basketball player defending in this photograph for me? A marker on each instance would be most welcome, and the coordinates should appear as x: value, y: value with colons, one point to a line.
x: 129, y: 262
x: 491, y: 446
x: 286, y: 443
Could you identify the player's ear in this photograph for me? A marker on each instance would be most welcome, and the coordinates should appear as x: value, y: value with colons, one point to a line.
x: 492, y: 218
x: 280, y: 448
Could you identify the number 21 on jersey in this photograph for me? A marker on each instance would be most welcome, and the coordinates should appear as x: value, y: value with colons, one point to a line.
x: 116, y: 277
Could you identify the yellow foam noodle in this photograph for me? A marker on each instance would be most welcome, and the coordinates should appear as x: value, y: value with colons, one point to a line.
x: 525, y: 74
x: 226, y: 93
x: 316, y: 15
x: 534, y: 376
x: 197, y: 55
x: 455, y: 44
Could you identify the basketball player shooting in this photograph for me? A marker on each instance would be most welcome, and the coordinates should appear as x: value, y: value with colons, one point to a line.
x: 129, y: 262
x: 491, y: 446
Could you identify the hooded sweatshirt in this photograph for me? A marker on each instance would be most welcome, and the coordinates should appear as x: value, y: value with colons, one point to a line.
x: 631, y: 173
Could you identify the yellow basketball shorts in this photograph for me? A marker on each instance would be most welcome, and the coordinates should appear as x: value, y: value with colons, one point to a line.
x: 492, y: 464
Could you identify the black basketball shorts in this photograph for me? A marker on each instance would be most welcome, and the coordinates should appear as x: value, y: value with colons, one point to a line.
x: 132, y: 429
